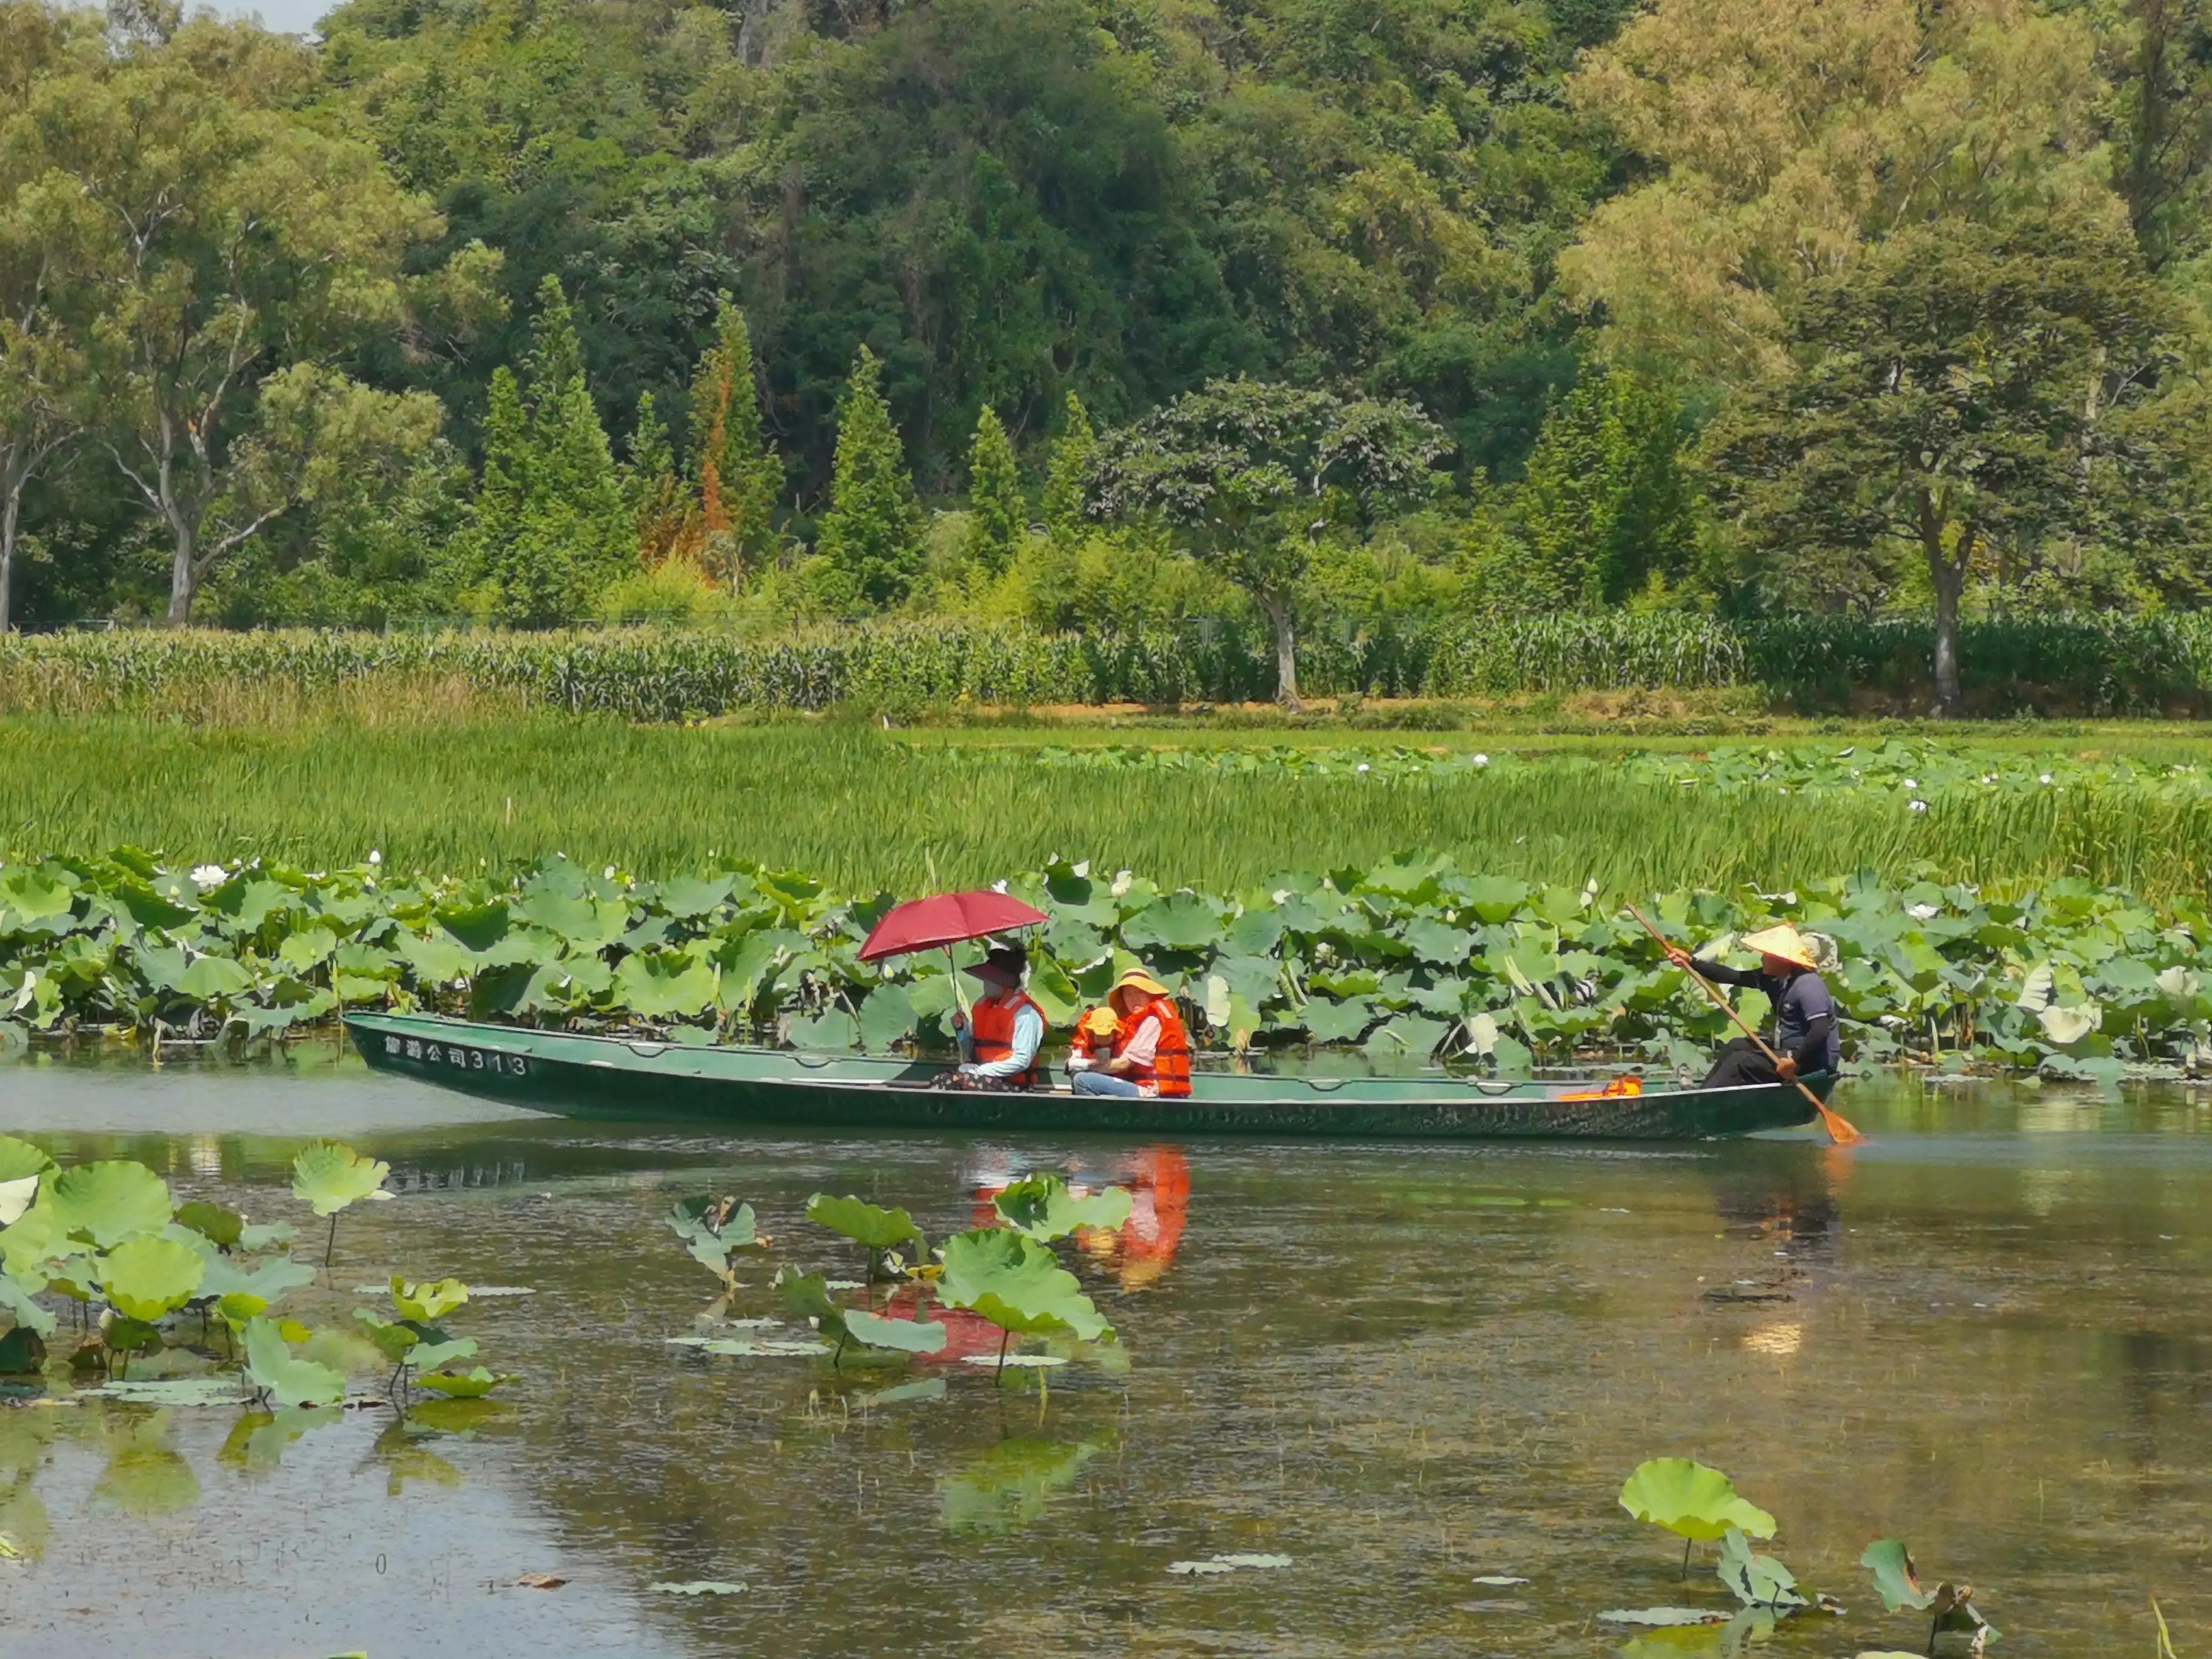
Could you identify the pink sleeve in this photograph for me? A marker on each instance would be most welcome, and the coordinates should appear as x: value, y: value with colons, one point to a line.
x: 1144, y: 1048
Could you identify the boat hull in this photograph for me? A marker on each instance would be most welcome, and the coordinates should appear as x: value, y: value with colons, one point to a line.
x: 580, y: 1076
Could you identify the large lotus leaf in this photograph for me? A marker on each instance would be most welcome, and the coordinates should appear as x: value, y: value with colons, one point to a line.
x: 271, y: 1367
x: 1437, y: 941
x: 1691, y: 1501
x: 1411, y: 1036
x: 726, y: 1221
x: 1757, y: 1580
x: 1337, y: 1022
x: 584, y: 924
x: 210, y: 979
x: 39, y: 895
x: 687, y: 896
x: 467, y: 1385
x: 426, y: 1304
x: 1054, y: 991
x: 887, y: 1018
x: 1019, y: 1286
x: 329, y: 1176
x: 109, y: 1201
x: 1041, y: 1206
x: 438, y: 1349
x: 19, y: 1158
x: 664, y: 984
x: 1895, y: 1579
x: 1664, y: 1618
x: 249, y: 901
x: 1250, y: 979
x: 146, y: 1278
x: 1255, y: 934
x: 216, y: 1222
x: 863, y: 1222
x: 265, y: 1281
x: 1494, y: 898
x: 1183, y: 921
x: 834, y: 1031
x: 396, y: 1342
x: 16, y: 1300
x: 479, y: 927
x: 32, y: 1239
x: 435, y: 960
x: 900, y: 1335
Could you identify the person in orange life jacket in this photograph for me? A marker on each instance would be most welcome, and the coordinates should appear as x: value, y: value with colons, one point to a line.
x: 1001, y: 1040
x: 1151, y: 1051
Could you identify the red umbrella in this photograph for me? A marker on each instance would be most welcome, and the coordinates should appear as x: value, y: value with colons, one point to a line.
x: 946, y: 920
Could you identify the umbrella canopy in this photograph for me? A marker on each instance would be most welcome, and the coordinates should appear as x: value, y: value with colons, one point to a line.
x: 946, y: 920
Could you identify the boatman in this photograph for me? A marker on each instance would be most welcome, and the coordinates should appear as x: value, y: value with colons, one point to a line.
x: 999, y: 1043
x: 1151, y: 1051
x: 1805, y: 1035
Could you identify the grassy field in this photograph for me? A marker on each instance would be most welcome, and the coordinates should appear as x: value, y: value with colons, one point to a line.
x: 866, y: 809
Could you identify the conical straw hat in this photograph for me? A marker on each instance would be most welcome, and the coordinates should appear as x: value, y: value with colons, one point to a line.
x: 1784, y: 941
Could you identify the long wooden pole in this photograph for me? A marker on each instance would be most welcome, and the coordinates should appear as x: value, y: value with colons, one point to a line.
x: 1838, y: 1126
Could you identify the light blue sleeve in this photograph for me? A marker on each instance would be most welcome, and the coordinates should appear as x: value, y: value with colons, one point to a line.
x: 1029, y: 1037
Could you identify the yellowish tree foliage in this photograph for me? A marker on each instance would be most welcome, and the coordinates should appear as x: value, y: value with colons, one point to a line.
x: 1784, y: 139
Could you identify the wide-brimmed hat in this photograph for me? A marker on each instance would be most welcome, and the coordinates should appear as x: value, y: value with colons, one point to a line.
x: 1784, y: 941
x: 1099, y: 1023
x: 1002, y: 966
x: 1136, y: 979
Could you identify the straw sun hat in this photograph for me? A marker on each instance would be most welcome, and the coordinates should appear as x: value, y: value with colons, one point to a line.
x: 1784, y: 941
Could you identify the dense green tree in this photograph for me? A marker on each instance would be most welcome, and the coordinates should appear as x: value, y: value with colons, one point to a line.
x: 735, y: 468
x: 234, y: 251
x: 661, y: 501
x: 872, y: 534
x: 997, y: 513
x: 1608, y: 506
x: 553, y: 524
x: 1254, y: 473
x: 1954, y: 391
x: 1067, y: 474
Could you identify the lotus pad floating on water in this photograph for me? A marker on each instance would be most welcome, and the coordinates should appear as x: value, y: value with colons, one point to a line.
x: 1220, y: 1564
x: 698, y: 1587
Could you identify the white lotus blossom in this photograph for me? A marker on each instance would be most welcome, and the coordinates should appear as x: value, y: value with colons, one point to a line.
x: 375, y: 857
x: 1919, y: 806
x: 210, y: 875
x: 1364, y: 767
x: 1912, y: 783
x: 999, y: 886
x: 2044, y: 778
x: 1480, y: 760
x: 609, y: 874
x: 1921, y: 912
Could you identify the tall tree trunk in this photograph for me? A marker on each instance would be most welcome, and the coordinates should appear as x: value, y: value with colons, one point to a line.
x: 183, y: 570
x: 8, y: 511
x: 1946, y: 575
x: 1278, y: 608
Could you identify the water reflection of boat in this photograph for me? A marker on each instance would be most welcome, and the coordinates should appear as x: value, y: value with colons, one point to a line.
x: 616, y: 1077
x: 1157, y: 1180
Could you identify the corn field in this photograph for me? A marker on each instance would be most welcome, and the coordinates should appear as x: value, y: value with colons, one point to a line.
x: 2070, y: 664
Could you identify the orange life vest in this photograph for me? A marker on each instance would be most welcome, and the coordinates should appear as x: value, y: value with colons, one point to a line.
x: 993, y: 1024
x: 1169, y: 1074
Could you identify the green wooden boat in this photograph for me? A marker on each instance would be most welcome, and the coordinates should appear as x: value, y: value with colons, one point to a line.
x: 622, y: 1078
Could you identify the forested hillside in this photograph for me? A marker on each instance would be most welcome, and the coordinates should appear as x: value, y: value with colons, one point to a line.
x: 1100, y: 313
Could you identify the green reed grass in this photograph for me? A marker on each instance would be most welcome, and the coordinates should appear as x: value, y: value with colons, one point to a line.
x: 864, y: 811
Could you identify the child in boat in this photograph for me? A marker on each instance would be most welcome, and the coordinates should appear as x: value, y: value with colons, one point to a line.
x: 1151, y: 1050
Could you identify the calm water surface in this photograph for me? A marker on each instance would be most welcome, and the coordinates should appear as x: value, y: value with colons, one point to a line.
x: 1987, y: 1332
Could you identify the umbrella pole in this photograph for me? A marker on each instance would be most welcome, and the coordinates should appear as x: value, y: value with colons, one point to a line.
x: 958, y: 995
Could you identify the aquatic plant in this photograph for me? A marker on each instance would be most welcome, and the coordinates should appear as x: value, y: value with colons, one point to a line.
x: 807, y: 1296
x: 1696, y: 1503
x: 1897, y: 1581
x: 715, y: 1231
x: 878, y: 1230
x: 330, y: 1177
x: 1041, y: 1206
x: 1016, y: 1283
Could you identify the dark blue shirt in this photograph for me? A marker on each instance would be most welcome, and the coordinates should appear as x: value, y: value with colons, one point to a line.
x: 1804, y: 1013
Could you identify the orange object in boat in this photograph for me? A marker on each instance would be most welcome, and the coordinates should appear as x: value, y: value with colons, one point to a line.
x: 1620, y: 1089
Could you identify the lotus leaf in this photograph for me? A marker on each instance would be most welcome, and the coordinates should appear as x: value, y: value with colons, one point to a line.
x: 146, y: 1278
x: 2067, y: 1025
x: 211, y: 979
x: 271, y: 1368
x: 264, y: 1281
x: 1184, y: 922
x: 219, y: 1226
x: 396, y: 1342
x: 18, y: 1159
x: 1337, y: 1022
x: 437, y: 1349
x: 1894, y: 1578
x: 1757, y: 1580
x: 28, y: 1314
x: 1665, y: 1618
x: 109, y: 1201
x: 1041, y: 1206
x: 863, y: 1222
x: 887, y: 1018
x: 835, y: 1032
x: 329, y: 1176
x: 471, y: 1385
x: 168, y: 1391
x: 764, y: 1347
x: 698, y: 1587
x: 1016, y: 1283
x: 664, y: 984
x: 427, y: 1303
x: 900, y: 1335
x: 1691, y: 1501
